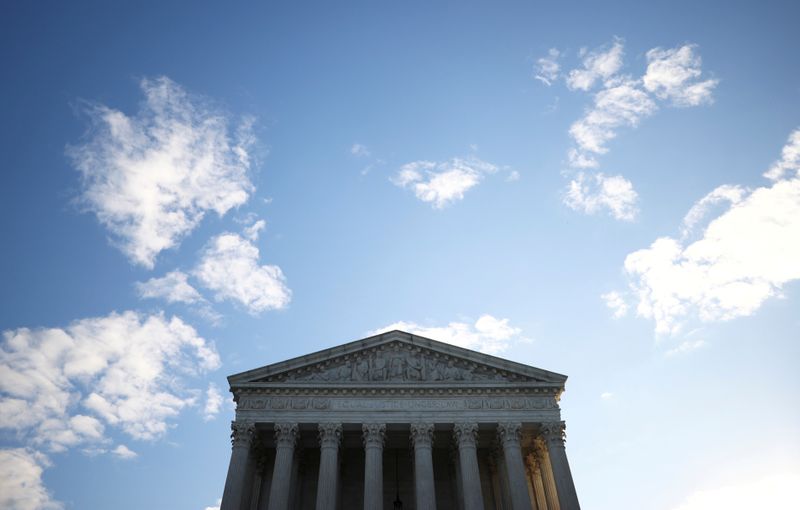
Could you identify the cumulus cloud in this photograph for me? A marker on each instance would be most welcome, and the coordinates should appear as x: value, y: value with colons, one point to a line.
x: 442, y: 183
x: 674, y: 75
x: 151, y: 177
x: 745, y: 255
x: 592, y: 193
x: 772, y: 491
x: 21, y: 486
x: 488, y: 334
x: 123, y: 452
x: 172, y: 287
x: 600, y: 64
x: 229, y: 266
x: 547, y: 67
x: 252, y: 232
x: 60, y: 387
x: 215, y: 507
x: 623, y: 101
x: 213, y: 402
x: 616, y: 303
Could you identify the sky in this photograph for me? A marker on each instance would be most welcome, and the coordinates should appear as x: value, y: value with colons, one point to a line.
x: 609, y: 191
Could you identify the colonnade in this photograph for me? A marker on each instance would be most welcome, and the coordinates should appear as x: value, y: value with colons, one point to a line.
x: 536, y: 477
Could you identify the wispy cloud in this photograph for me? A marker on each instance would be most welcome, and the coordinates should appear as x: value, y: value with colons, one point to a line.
x: 598, y: 65
x: 151, y: 177
x: 229, y: 267
x: 21, y: 486
x: 123, y: 452
x: 591, y: 193
x: 744, y: 256
x: 547, y: 67
x: 173, y: 287
x: 213, y: 402
x: 359, y: 150
x: 487, y: 334
x: 441, y: 184
x: 674, y: 75
x: 62, y: 387
x: 615, y: 302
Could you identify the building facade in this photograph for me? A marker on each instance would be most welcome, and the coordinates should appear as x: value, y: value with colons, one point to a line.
x: 398, y: 421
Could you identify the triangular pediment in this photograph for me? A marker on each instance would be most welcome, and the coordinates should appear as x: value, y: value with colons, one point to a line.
x: 396, y: 357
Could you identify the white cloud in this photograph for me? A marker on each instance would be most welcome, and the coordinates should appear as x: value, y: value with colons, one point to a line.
x: 151, y: 177
x: 513, y: 176
x: 621, y: 104
x: 615, y: 302
x: 593, y: 193
x: 254, y: 230
x: 173, y: 287
x: 487, y: 334
x: 360, y: 151
x: 723, y: 194
x: 673, y: 75
x: 597, y: 65
x: 213, y: 402
x: 779, y: 491
x: 60, y: 387
x: 123, y: 452
x: 547, y: 68
x: 685, y: 347
x: 606, y: 395
x: 215, y: 507
x: 789, y: 162
x: 445, y: 182
x: 21, y: 486
x: 229, y: 267
x: 745, y: 256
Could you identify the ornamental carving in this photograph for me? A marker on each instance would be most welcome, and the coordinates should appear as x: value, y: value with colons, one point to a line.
x: 422, y: 435
x: 396, y: 362
x: 509, y: 433
x: 466, y: 434
x: 285, y: 435
x: 553, y: 431
x: 374, y: 434
x: 330, y: 435
x: 242, y: 433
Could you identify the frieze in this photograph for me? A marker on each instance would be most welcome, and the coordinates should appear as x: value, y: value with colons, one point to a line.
x: 398, y: 404
x: 396, y: 362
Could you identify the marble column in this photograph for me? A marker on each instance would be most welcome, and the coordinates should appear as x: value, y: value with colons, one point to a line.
x: 242, y: 434
x: 285, y: 440
x: 330, y: 436
x: 553, y: 434
x: 510, y: 435
x: 422, y: 439
x: 546, y: 472
x: 466, y: 436
x: 374, y: 435
x: 535, y: 466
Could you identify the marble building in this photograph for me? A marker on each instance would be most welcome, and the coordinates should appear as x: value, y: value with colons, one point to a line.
x: 398, y: 421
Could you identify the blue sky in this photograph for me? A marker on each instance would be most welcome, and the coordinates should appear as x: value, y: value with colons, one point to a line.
x: 607, y: 191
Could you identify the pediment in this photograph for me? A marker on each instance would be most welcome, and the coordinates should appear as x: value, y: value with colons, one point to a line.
x: 392, y: 358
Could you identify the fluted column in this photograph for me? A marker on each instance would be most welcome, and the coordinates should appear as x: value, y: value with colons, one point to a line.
x: 510, y: 435
x: 242, y: 434
x: 330, y: 435
x: 374, y: 435
x: 466, y: 435
x: 535, y: 467
x: 285, y: 440
x: 422, y: 439
x: 553, y: 434
x: 550, y: 491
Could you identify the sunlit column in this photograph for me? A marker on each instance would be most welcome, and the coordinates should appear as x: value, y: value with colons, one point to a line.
x: 553, y: 434
x: 510, y: 435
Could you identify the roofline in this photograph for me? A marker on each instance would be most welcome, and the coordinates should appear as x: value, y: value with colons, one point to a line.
x: 388, y: 336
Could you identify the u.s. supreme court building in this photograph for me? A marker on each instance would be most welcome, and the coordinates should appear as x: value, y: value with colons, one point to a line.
x: 398, y: 421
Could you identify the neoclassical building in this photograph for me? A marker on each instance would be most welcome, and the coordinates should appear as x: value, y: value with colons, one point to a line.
x: 398, y: 421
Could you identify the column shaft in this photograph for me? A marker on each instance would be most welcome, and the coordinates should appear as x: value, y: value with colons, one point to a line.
x: 330, y: 435
x: 536, y: 479
x: 510, y: 435
x: 374, y: 434
x: 239, y: 467
x: 422, y: 439
x: 553, y: 433
x: 285, y: 439
x: 466, y: 435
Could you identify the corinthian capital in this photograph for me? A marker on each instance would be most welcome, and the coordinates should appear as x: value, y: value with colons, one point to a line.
x: 330, y: 434
x: 374, y: 434
x: 553, y: 431
x: 242, y: 433
x: 509, y: 433
x: 422, y: 434
x: 466, y: 434
x: 285, y: 434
